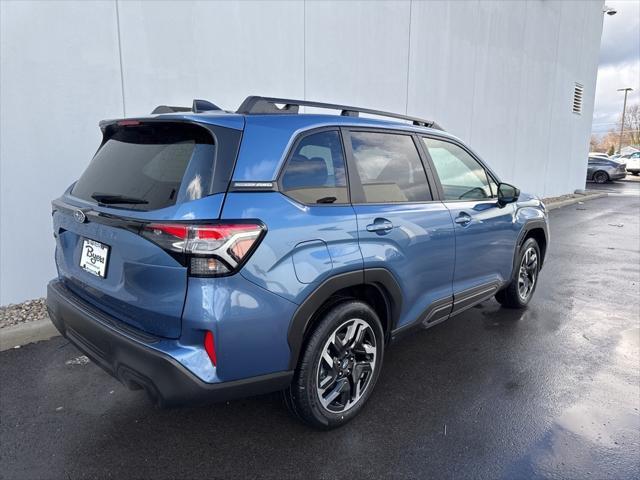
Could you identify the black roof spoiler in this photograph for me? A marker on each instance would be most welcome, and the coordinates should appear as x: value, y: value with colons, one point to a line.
x: 197, y: 107
x: 268, y: 105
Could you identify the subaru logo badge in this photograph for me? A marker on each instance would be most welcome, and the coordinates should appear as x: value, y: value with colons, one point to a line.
x: 79, y: 216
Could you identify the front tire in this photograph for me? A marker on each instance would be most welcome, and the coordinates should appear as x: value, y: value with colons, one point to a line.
x: 525, y: 277
x: 339, y: 367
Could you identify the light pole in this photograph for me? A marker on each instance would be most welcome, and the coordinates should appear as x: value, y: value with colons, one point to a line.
x: 624, y: 109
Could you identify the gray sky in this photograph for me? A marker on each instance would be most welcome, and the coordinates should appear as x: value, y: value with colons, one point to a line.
x: 619, y: 63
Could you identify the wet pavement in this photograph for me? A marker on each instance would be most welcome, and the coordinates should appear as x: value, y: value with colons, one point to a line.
x: 630, y: 185
x: 551, y: 392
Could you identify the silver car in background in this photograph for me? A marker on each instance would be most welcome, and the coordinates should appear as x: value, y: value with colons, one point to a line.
x: 603, y: 170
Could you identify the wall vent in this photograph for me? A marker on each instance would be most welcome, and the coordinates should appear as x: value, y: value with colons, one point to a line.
x: 577, y: 98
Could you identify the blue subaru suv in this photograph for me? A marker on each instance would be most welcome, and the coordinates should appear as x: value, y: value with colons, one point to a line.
x: 205, y: 254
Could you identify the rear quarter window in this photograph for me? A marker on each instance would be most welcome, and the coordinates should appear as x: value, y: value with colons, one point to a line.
x: 315, y: 173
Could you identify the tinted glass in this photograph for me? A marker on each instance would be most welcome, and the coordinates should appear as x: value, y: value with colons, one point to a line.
x: 461, y: 176
x: 143, y: 167
x: 315, y: 172
x: 389, y: 168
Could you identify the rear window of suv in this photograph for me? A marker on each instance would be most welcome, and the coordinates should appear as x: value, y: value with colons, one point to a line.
x: 150, y: 166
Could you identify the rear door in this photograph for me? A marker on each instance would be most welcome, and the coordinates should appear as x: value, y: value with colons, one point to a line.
x: 486, y: 233
x: 141, y: 173
x: 400, y: 226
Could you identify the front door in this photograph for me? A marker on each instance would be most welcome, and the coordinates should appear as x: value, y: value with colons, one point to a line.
x: 486, y: 232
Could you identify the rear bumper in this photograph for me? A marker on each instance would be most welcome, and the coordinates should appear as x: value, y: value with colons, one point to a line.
x: 617, y: 175
x: 129, y: 356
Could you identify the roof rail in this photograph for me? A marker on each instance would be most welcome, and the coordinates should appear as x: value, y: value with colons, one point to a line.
x: 261, y: 105
x: 197, y: 107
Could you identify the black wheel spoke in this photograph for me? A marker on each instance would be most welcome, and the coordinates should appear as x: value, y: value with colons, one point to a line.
x: 339, y: 345
x: 360, y: 369
x: 328, y: 380
x: 345, y: 391
x: 357, y: 344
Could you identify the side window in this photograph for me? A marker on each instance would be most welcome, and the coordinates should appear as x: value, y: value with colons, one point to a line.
x: 315, y: 172
x: 389, y: 168
x: 461, y: 176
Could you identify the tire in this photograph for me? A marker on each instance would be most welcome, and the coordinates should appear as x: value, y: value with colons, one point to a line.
x: 520, y: 290
x: 635, y: 173
x: 600, y: 177
x: 356, y: 363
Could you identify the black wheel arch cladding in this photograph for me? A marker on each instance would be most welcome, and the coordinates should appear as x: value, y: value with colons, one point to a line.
x: 307, y: 312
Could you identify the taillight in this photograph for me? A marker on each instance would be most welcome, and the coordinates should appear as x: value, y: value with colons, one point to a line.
x: 218, y: 249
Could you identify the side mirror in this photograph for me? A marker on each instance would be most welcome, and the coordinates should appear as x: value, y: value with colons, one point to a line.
x: 507, y: 194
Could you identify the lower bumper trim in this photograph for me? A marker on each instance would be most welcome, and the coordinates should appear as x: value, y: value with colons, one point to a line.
x: 137, y: 365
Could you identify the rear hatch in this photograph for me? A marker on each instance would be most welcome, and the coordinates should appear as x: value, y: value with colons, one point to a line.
x: 145, y: 173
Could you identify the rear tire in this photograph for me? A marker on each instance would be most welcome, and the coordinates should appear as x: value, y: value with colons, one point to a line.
x: 600, y: 177
x: 635, y: 173
x: 339, y: 366
x: 525, y: 277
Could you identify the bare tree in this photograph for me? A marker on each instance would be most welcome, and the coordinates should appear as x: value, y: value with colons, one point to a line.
x: 604, y: 143
x: 631, y: 132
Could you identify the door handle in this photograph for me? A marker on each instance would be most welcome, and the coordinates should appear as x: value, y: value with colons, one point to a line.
x: 380, y: 225
x: 463, y: 219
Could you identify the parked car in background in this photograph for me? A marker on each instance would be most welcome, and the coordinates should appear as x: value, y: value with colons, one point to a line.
x: 633, y: 163
x: 205, y: 255
x: 597, y: 154
x: 603, y: 170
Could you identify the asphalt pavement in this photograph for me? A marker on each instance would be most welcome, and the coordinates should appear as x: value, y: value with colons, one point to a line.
x: 550, y: 392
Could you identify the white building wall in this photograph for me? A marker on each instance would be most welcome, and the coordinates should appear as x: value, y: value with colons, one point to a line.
x: 497, y: 74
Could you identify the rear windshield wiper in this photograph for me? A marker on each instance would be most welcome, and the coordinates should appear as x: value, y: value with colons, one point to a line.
x: 109, y: 199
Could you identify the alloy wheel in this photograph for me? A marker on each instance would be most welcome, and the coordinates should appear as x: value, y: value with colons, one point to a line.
x: 600, y: 177
x: 346, y: 365
x: 528, y: 273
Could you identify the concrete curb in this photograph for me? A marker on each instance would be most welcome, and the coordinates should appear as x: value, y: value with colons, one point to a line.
x: 574, y: 200
x: 24, y: 333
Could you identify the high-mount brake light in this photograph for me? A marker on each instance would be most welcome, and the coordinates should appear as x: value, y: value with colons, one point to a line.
x: 213, y: 250
x: 128, y: 123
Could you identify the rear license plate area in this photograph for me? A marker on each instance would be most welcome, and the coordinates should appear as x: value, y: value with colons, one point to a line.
x: 94, y: 258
